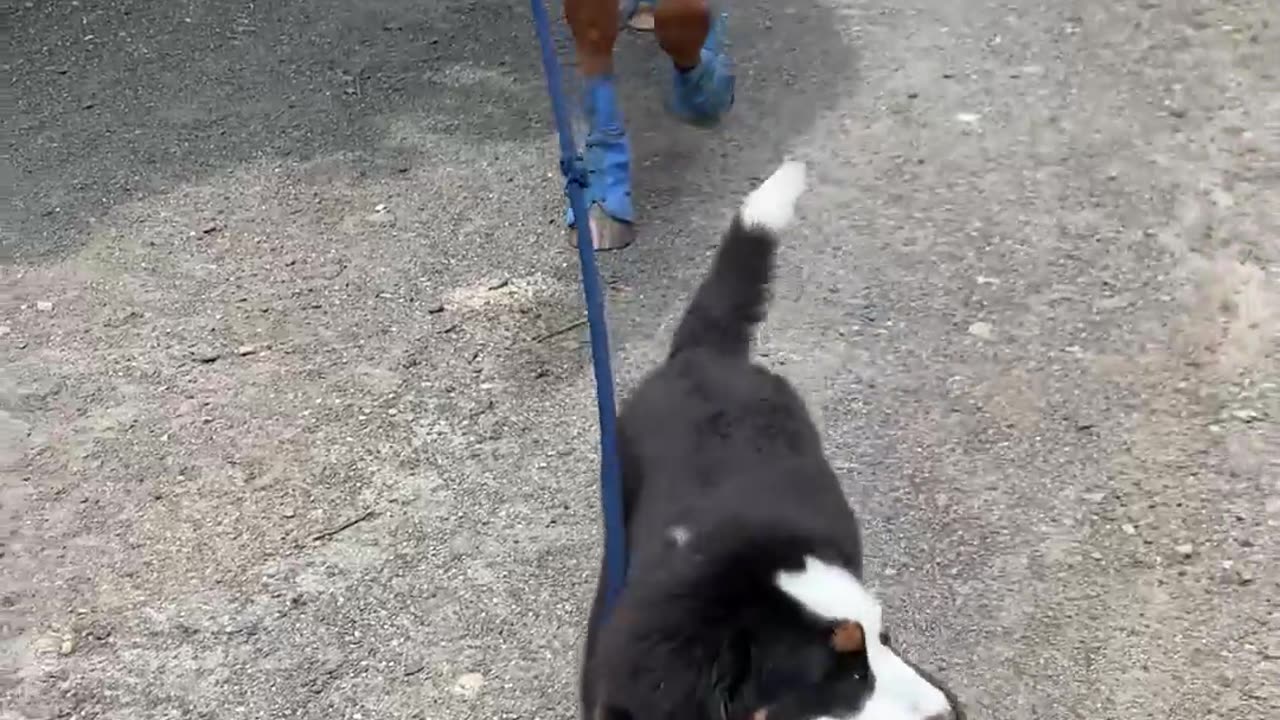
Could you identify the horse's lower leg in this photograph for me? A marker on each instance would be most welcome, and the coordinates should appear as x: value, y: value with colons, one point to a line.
x: 681, y: 27
x: 594, y: 24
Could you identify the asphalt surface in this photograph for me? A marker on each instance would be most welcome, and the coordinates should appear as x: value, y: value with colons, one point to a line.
x: 296, y: 420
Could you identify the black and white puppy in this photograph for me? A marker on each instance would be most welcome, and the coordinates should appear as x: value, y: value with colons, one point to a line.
x: 744, y: 598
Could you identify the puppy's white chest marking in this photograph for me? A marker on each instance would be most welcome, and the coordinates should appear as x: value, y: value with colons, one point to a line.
x: 680, y: 535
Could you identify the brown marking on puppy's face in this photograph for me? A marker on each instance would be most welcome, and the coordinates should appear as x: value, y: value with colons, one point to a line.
x: 760, y: 714
x: 848, y: 637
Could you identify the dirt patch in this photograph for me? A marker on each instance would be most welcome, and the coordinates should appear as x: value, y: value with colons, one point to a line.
x: 205, y: 393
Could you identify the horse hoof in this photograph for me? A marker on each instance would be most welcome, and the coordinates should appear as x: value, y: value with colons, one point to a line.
x: 606, y: 232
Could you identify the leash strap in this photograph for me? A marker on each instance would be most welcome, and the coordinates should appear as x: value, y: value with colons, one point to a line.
x: 575, y: 174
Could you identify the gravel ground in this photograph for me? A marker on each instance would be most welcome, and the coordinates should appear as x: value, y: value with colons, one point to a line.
x: 283, y: 434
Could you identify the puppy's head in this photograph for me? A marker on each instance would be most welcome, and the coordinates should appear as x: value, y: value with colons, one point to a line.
x: 868, y: 679
x: 768, y: 630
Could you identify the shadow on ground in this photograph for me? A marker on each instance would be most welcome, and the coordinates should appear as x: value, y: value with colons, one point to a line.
x: 118, y: 100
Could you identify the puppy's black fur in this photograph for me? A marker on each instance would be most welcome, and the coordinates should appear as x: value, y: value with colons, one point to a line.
x: 725, y: 450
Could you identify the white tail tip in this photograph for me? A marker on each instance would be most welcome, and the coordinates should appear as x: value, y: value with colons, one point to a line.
x: 773, y: 204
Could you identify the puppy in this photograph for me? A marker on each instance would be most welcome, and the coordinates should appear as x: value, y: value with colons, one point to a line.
x: 744, y: 598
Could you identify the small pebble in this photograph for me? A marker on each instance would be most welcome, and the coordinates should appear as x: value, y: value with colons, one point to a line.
x: 499, y: 283
x: 206, y: 356
x: 982, y: 330
x: 1185, y: 550
x: 1129, y: 529
x: 5, y: 330
x: 1239, y: 576
x: 44, y: 306
x: 469, y: 684
x: 382, y: 216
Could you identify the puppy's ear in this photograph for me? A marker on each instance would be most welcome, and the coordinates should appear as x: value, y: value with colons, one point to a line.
x: 848, y: 637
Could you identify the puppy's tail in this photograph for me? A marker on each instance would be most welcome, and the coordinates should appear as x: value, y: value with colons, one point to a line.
x: 732, y: 298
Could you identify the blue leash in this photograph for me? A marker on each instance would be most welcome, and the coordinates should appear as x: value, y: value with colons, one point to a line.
x: 575, y: 174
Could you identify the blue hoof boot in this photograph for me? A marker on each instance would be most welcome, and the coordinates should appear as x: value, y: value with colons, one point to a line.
x: 702, y: 95
x: 608, y: 154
